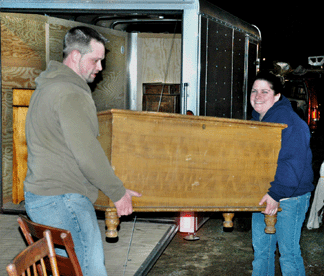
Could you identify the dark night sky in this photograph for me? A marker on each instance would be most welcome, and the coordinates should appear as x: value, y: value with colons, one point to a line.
x: 290, y: 32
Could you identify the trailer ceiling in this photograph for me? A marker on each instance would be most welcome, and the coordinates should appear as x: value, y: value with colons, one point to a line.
x: 148, y: 21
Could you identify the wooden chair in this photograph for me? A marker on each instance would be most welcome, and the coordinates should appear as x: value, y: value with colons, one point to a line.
x: 32, y: 255
x: 67, y: 265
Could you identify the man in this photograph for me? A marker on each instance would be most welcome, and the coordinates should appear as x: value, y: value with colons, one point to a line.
x: 66, y: 163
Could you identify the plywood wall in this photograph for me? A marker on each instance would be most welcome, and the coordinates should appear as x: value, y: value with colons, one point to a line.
x: 28, y: 42
x: 22, y: 59
x: 111, y: 90
x: 160, y: 58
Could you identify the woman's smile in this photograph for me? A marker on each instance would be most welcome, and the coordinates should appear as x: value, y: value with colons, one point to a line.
x: 262, y: 97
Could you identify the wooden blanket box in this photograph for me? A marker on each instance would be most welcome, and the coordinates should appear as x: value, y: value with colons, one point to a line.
x: 189, y: 163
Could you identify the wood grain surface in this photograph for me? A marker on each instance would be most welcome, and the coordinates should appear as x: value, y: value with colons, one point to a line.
x: 190, y: 161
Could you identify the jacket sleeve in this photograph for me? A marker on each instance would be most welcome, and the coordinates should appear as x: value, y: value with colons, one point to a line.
x: 292, y: 157
x: 79, y: 122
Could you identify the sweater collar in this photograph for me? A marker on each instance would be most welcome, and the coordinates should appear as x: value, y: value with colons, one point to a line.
x: 67, y: 72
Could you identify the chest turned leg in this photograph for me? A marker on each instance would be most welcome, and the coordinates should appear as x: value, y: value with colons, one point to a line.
x: 112, y: 222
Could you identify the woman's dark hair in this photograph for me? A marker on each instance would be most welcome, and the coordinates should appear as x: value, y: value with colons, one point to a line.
x: 273, y: 80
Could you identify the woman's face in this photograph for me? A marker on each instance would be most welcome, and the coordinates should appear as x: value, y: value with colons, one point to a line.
x: 263, y: 97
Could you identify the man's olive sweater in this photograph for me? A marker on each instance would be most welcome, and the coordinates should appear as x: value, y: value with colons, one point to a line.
x: 64, y: 155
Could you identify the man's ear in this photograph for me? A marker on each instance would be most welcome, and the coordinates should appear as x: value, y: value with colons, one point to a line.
x: 75, y: 56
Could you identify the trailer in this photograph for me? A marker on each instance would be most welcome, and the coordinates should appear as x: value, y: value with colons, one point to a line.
x: 175, y: 56
x: 165, y: 55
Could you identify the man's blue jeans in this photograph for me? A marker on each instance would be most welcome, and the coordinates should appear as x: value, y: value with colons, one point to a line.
x: 75, y: 213
x: 288, y: 230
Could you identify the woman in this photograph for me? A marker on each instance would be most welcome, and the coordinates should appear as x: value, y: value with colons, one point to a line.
x: 292, y: 184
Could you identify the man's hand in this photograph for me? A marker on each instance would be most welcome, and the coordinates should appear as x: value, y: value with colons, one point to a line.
x: 272, y: 205
x: 124, y: 205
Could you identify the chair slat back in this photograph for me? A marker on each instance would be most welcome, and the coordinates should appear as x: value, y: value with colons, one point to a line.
x: 61, y: 237
x: 26, y: 260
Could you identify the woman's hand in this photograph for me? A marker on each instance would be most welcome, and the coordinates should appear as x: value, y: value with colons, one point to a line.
x: 272, y: 205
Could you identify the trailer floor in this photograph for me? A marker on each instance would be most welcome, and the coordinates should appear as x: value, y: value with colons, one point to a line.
x: 140, y: 247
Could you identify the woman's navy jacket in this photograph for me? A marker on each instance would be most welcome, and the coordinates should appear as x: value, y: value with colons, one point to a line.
x: 294, y: 175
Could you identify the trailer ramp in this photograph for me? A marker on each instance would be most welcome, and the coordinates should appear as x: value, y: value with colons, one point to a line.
x: 149, y: 239
x: 139, y: 246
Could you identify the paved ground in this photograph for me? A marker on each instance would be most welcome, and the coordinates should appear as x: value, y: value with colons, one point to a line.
x: 229, y: 253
